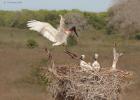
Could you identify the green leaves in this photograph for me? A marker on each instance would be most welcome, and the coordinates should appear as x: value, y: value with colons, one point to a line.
x: 31, y: 43
x: 72, y: 41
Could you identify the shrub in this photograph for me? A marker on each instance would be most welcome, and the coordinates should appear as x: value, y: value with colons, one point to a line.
x: 137, y: 36
x: 72, y: 41
x: 82, y: 20
x: 31, y: 43
x: 76, y: 19
x: 124, y: 17
x: 97, y: 20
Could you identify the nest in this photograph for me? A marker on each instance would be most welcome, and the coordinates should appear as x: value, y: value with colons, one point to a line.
x: 71, y: 83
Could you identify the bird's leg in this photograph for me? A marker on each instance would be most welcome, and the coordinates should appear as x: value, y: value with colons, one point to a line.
x: 72, y: 55
x: 67, y: 51
x: 66, y: 48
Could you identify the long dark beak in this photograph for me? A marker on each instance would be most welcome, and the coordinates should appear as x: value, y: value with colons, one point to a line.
x: 73, y: 29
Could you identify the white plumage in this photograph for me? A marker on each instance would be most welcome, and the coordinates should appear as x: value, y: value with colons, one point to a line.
x: 84, y: 65
x: 95, y: 64
x: 57, y: 36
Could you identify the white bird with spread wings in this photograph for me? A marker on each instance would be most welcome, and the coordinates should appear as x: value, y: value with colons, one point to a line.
x: 57, y: 36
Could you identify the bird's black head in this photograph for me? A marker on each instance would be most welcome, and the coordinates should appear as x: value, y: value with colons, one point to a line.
x: 73, y: 29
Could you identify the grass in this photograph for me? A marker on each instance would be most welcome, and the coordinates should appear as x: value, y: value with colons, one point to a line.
x: 17, y: 61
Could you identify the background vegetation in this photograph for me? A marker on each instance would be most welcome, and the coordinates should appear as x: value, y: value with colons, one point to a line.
x: 19, y: 19
x: 124, y: 17
x: 118, y: 19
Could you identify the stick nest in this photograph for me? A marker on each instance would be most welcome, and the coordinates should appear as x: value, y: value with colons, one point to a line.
x: 71, y: 83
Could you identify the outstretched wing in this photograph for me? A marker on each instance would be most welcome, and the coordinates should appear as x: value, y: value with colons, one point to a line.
x: 45, y: 29
x: 62, y: 24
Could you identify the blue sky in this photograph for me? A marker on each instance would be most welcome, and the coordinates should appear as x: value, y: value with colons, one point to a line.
x: 84, y: 5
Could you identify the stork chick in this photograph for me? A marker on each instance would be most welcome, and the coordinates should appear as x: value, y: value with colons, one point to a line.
x: 84, y: 65
x: 95, y: 65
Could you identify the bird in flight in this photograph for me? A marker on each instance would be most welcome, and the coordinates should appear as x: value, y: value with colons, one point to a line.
x: 56, y: 36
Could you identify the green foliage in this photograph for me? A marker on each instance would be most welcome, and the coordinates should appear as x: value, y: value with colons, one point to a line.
x: 52, y: 18
x: 110, y: 30
x: 137, y: 36
x: 19, y: 19
x: 31, y: 43
x: 97, y: 20
x: 72, y: 41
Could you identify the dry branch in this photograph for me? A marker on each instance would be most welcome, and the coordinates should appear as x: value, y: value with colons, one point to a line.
x: 116, y: 58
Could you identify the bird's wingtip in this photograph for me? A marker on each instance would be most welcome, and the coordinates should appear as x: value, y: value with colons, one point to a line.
x: 30, y: 21
x: 60, y: 15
